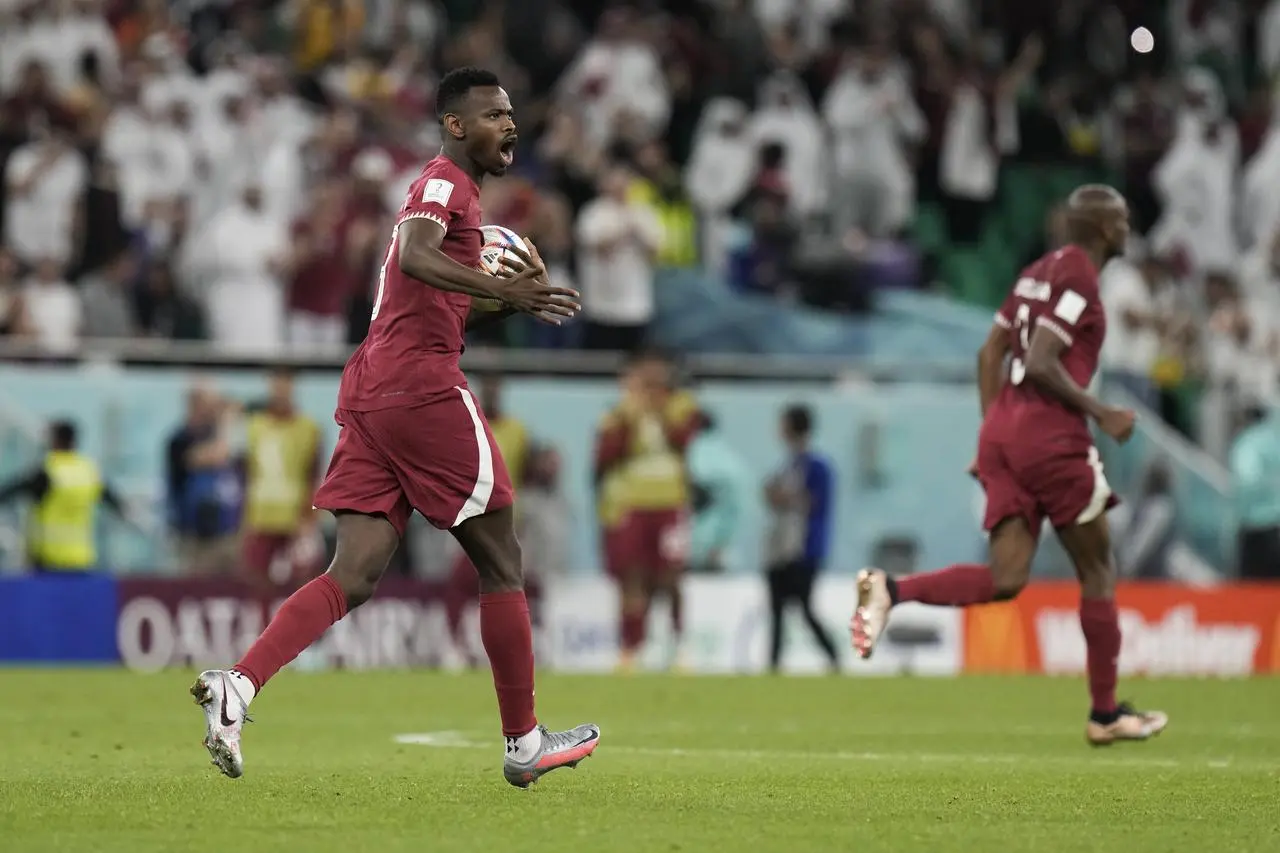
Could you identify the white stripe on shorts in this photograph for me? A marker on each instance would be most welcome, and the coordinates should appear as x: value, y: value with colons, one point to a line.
x: 478, y: 501
x: 1101, y: 490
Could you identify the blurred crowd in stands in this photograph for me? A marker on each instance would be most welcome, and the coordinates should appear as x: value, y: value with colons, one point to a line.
x: 228, y: 170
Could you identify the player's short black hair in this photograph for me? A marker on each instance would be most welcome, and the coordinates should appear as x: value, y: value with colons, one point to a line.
x: 62, y: 435
x: 455, y: 85
x: 799, y: 420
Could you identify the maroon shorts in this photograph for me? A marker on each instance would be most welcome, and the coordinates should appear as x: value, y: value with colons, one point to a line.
x: 260, y: 550
x: 438, y: 457
x: 651, y: 541
x: 1023, y: 480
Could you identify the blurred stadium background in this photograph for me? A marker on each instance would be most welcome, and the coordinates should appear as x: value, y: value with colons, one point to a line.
x: 198, y: 192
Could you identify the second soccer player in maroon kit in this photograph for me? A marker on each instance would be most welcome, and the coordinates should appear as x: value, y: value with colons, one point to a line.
x: 1036, y: 459
x: 414, y: 438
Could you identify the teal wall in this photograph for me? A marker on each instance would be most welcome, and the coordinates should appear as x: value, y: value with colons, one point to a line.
x: 918, y: 438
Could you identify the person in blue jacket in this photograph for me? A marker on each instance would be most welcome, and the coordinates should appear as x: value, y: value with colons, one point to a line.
x: 802, y: 497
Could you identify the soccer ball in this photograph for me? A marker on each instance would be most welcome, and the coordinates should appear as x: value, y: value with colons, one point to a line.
x: 495, y: 242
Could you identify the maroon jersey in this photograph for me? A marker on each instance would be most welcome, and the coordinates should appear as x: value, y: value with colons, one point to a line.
x: 415, y: 335
x: 1059, y: 292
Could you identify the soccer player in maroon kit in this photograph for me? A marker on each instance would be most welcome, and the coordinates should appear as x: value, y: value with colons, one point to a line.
x: 414, y: 438
x: 1036, y: 458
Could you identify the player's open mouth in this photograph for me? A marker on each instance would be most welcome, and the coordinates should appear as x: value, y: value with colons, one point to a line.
x: 507, y: 150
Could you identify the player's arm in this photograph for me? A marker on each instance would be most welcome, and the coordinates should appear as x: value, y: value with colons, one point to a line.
x: 421, y: 258
x: 991, y: 365
x: 111, y: 500
x: 1045, y: 369
x: 487, y: 313
x: 611, y: 445
x: 124, y: 511
x: 32, y: 486
x: 523, y: 287
x: 681, y: 424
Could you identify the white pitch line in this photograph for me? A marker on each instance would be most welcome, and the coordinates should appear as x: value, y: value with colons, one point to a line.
x: 459, y: 740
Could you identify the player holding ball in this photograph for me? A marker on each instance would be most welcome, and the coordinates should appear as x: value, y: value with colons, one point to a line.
x: 414, y: 438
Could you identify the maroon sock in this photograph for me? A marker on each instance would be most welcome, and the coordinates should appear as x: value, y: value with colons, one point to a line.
x: 632, y: 630
x: 954, y: 586
x: 508, y: 640
x: 300, y: 621
x: 1101, y: 626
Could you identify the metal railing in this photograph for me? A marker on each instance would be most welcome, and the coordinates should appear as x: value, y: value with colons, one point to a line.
x: 514, y: 362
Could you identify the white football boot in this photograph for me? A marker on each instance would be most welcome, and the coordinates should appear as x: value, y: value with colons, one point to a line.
x: 1127, y: 724
x: 225, y: 712
x: 872, y: 613
x: 553, y: 750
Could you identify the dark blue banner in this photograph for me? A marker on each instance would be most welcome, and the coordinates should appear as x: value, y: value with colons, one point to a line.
x: 58, y: 619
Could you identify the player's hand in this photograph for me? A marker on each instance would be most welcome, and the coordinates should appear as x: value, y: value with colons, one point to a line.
x: 1118, y: 423
x: 529, y: 291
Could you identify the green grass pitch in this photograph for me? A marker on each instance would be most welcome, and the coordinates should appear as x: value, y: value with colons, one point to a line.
x: 108, y: 762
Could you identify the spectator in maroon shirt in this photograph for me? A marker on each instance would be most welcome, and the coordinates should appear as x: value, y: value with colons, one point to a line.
x: 326, y: 271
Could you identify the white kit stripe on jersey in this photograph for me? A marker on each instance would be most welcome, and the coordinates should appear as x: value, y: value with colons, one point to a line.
x: 1055, y: 328
x: 423, y: 214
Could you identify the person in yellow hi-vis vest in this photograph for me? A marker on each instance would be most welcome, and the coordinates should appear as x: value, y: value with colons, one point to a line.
x: 65, y: 491
x: 323, y: 28
x: 282, y: 545
x: 640, y: 470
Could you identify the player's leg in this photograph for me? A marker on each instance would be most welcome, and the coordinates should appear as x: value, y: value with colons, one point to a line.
x: 628, y: 545
x: 663, y: 584
x: 365, y: 545
x: 1012, y: 519
x: 671, y: 558
x: 451, y: 470
x: 1089, y: 546
x: 490, y: 544
x: 633, y: 602
x: 804, y: 595
x: 361, y: 489
x: 669, y: 582
x: 531, y: 750
x: 615, y: 564
x: 776, y: 578
x: 1012, y: 546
